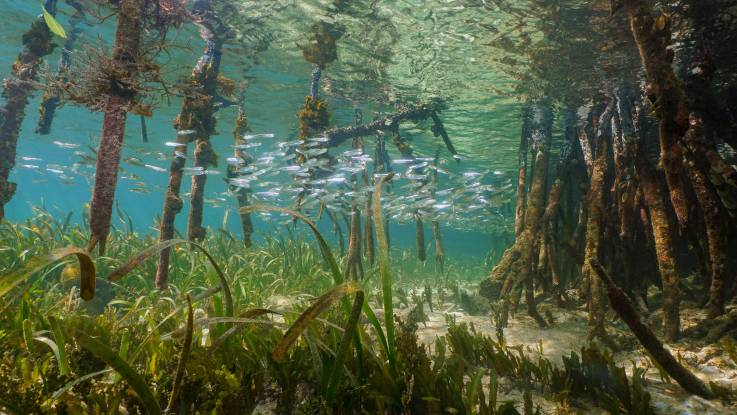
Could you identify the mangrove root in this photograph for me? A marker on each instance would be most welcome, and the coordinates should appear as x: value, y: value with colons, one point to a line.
x: 628, y: 313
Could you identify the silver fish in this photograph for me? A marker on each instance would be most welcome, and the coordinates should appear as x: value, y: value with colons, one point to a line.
x: 193, y: 171
x: 263, y: 135
x: 62, y: 144
x: 154, y: 168
x: 315, y: 152
x: 322, y: 139
x: 336, y: 179
x: 352, y: 153
x: 291, y: 143
x: 248, y: 145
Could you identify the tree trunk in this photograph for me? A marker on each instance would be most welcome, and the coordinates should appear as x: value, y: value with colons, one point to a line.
x: 204, y: 154
x: 541, y: 136
x: 668, y: 97
x: 16, y: 91
x: 338, y: 135
x: 519, y: 214
x: 439, y: 250
x: 595, y: 226
x: 711, y: 208
x: 627, y: 312
x: 50, y: 101
x: 204, y: 157
x: 195, y: 115
x: 437, y: 235
x: 241, y: 191
x: 663, y: 238
x: 552, y: 215
x: 127, y: 44
x: 420, y: 239
x: 518, y: 263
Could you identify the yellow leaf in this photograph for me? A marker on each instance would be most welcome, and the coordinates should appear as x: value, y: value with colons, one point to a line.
x: 53, y: 25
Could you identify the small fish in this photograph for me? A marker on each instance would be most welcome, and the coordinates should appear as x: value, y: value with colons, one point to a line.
x: 240, y: 182
x: 418, y: 166
x: 193, y: 171
x: 134, y: 162
x: 352, y: 153
x: 266, y: 194
x: 248, y: 145
x: 62, y: 144
x: 31, y: 158
x: 180, y: 155
x: 154, y: 168
x: 186, y: 132
x: 252, y: 136
x: 352, y: 169
x: 364, y: 157
x: 291, y: 143
x: 30, y: 166
x: 336, y: 179
x: 274, y: 154
x: 315, y: 152
x: 323, y: 139
x: 403, y: 161
x: 174, y: 144
x: 55, y: 171
x: 211, y: 172
x: 234, y: 161
x: 216, y: 202
x: 265, y: 160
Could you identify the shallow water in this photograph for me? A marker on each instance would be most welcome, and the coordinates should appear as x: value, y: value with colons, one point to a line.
x: 549, y: 99
x: 278, y: 80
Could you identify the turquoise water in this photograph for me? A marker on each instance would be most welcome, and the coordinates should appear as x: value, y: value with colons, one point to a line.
x: 429, y: 56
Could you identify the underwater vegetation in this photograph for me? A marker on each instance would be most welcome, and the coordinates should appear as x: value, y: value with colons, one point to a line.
x: 197, y: 348
x: 353, y: 128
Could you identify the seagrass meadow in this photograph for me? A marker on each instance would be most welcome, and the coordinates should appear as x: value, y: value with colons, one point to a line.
x: 477, y: 207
